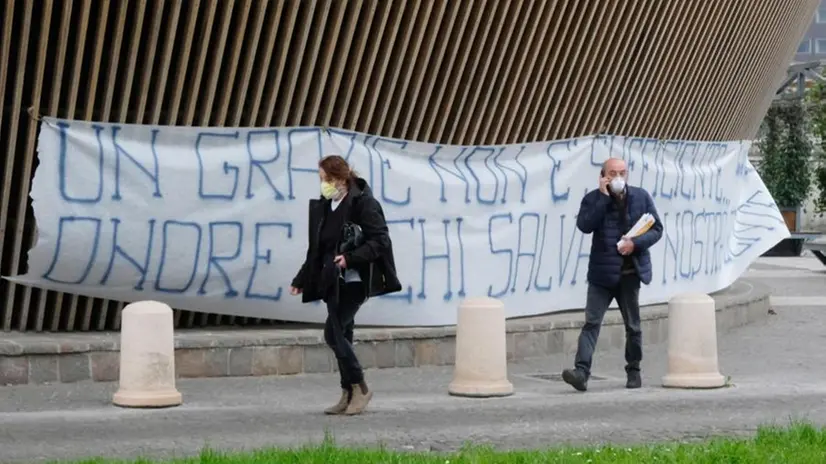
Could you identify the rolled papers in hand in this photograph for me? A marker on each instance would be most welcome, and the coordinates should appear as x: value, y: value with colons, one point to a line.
x: 642, y: 226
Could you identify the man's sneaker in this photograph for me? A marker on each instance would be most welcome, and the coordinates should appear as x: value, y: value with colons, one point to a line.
x: 634, y: 380
x: 575, y: 378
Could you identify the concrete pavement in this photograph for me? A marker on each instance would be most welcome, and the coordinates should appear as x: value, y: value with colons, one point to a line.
x: 776, y: 367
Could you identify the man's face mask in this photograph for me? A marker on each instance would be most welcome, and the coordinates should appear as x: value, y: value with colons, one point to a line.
x: 618, y: 184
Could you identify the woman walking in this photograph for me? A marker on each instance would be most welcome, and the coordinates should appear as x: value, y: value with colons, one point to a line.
x: 349, y: 259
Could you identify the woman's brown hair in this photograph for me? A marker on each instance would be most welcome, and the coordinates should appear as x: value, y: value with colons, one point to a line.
x: 337, y: 169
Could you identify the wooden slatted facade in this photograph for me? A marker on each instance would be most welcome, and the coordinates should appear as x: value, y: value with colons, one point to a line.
x: 459, y: 71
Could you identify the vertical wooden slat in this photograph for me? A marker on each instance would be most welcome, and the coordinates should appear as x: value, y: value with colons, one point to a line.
x: 589, y: 83
x: 6, y: 312
x: 179, y: 81
x: 338, y: 70
x: 206, y: 107
x: 28, y: 160
x: 571, y: 91
x: 114, y: 58
x: 753, y: 20
x: 74, y: 88
x: 635, y: 98
x: 355, y: 69
x: 625, y: 56
x: 649, y: 102
x: 262, y: 73
x: 504, y: 90
x: 406, y: 53
x: 277, y: 73
x: 204, y: 98
x: 422, y: 47
x: 467, y: 127
x: 637, y: 62
x: 111, y: 83
x: 142, y: 98
x: 665, y: 106
x: 148, y: 66
x: 426, y: 74
x: 189, y: 99
x: 298, y: 50
x: 439, y: 109
x: 54, y: 101
x: 5, y: 64
x: 566, y: 23
x: 711, y: 83
x: 509, y: 128
x: 16, y: 114
x: 260, y: 15
x: 132, y: 56
x: 476, y: 52
x: 236, y: 49
x: 385, y: 51
x: 205, y: 50
x: 563, y: 89
x: 224, y: 105
x: 232, y: 67
x: 309, y: 69
x: 373, y: 51
x: 183, y: 56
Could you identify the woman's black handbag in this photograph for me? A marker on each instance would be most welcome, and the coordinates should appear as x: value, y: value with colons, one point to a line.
x: 352, y: 237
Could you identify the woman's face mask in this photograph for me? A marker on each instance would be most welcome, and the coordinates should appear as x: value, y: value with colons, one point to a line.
x: 328, y: 190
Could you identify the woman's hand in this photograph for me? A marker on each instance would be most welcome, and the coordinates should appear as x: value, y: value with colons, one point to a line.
x: 340, y: 261
x: 295, y: 291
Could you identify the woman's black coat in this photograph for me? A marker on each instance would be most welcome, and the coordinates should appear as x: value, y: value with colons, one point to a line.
x: 373, y: 259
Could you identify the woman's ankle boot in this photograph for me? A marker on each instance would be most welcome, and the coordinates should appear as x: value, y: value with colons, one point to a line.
x: 342, y: 404
x: 358, y: 402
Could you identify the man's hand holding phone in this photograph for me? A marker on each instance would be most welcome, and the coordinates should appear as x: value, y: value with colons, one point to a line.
x: 603, y: 184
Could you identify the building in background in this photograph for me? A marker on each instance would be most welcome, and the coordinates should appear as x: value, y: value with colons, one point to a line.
x: 813, y: 45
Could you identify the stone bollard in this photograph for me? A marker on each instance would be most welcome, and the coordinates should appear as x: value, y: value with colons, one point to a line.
x: 692, y: 343
x: 481, y: 367
x: 147, y: 357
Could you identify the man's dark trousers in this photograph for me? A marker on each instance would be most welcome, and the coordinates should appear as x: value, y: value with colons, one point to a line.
x: 627, y: 294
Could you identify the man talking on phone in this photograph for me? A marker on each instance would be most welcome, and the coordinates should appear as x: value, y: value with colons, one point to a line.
x: 616, y: 267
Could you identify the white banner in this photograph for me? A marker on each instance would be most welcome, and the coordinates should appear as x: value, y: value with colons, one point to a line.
x: 215, y: 219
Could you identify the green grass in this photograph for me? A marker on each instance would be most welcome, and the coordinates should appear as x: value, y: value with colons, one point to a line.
x: 797, y: 444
